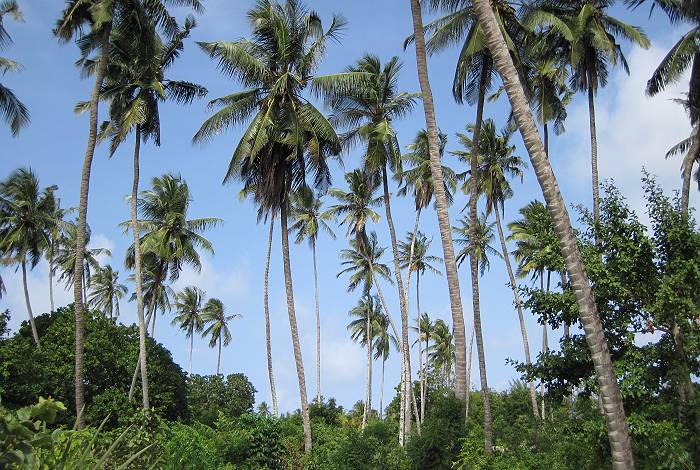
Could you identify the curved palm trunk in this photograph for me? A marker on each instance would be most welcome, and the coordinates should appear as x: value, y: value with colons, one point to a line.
x: 381, y: 391
x: 474, y: 264
x: 687, y: 167
x: 30, y: 314
x: 318, y: 329
x: 137, y: 274
x: 518, y: 306
x: 268, y: 343
x: 405, y: 408
x: 594, y: 158
x: 137, y: 369
x: 441, y: 203
x: 294, y: 329
x: 81, y: 229
x: 469, y: 373
x: 616, y: 422
x: 218, y: 357
x: 51, y: 275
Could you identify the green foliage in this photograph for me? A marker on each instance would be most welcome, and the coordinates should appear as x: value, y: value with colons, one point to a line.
x: 209, y: 396
x: 110, y: 354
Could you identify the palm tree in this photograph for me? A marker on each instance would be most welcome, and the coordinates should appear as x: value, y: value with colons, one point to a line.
x: 26, y: 217
x: 106, y: 291
x: 168, y: 241
x: 58, y: 226
x: 497, y: 164
x: 135, y: 85
x: 587, y: 38
x: 90, y: 23
x: 287, y: 136
x: 65, y: 258
x: 12, y: 109
x: 383, y: 341
x: 368, y: 110
x: 188, y: 304
x: 266, y: 304
x: 362, y: 330
x: 214, y: 315
x: 483, y: 241
x: 424, y: 328
x: 684, y: 54
x: 308, y: 220
x: 413, y: 256
x: 613, y: 409
x: 442, y: 352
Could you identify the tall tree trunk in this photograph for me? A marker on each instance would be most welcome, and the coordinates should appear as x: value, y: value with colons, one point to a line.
x: 318, y: 329
x: 518, y: 306
x: 424, y: 383
x: 594, y: 158
x: 421, y: 372
x: 403, y: 301
x: 84, y: 288
x: 368, y: 389
x: 138, y: 274
x: 381, y: 392
x: 616, y: 422
x: 30, y: 314
x: 268, y: 343
x: 545, y: 345
x: 685, y: 386
x: 153, y: 324
x: 294, y: 329
x: 81, y: 229
x: 474, y: 262
x: 51, y: 249
x: 441, y: 202
x: 469, y: 372
x: 687, y: 168
x: 191, y: 347
x: 218, y: 358
x: 137, y: 369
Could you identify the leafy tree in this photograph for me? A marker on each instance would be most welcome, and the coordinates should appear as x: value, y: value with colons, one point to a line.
x: 484, y: 240
x: 209, y: 396
x: 106, y: 292
x: 13, y: 110
x: 190, y: 307
x: 26, y: 213
x: 216, y: 321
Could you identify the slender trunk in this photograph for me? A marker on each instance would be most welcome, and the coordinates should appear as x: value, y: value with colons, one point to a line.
x: 469, y: 372
x: 616, y: 421
x: 153, y: 324
x: 294, y: 329
x: 545, y: 344
x: 368, y: 328
x: 474, y: 262
x: 518, y: 306
x: 218, y: 358
x: 422, y: 376
x: 381, y: 391
x: 137, y: 369
x: 268, y: 343
x: 594, y: 158
x: 685, y: 387
x: 318, y: 329
x: 403, y: 304
x: 138, y: 274
x: 546, y: 138
x: 687, y: 167
x: 30, y: 314
x: 563, y: 289
x: 369, y: 377
x: 441, y: 202
x: 191, y: 347
x: 81, y: 229
x: 424, y: 384
x: 84, y: 288
x: 51, y: 275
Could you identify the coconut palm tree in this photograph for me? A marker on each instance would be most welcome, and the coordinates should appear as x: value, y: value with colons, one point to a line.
x: 424, y: 328
x: 13, y: 111
x: 683, y: 55
x: 214, y: 315
x: 90, y: 23
x: 383, y: 342
x: 59, y: 224
x: 266, y: 304
x: 498, y: 164
x: 308, y: 219
x: 287, y: 138
x: 189, y: 305
x: 613, y: 410
x: 362, y: 330
x: 413, y: 256
x: 441, y: 352
x: 368, y: 111
x: 483, y: 242
x: 587, y: 38
x: 135, y: 85
x: 106, y: 291
x: 26, y: 218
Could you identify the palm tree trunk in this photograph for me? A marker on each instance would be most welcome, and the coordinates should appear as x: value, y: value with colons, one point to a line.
x: 594, y: 158
x: 51, y: 275
x: 218, y: 358
x: 545, y: 344
x: 469, y: 372
x: 191, y: 347
x: 153, y: 324
x: 30, y: 314
x: 616, y: 422
x: 81, y: 229
x: 268, y: 343
x: 441, y: 202
x: 84, y: 288
x: 294, y: 329
x: 474, y: 263
x: 687, y: 167
x: 420, y: 370
x: 137, y: 273
x: 518, y: 306
x: 368, y: 388
x: 403, y: 301
x: 137, y: 369
x: 381, y: 391
x: 318, y: 329
x: 424, y: 382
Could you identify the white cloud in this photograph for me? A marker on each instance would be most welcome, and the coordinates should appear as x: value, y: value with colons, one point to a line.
x: 99, y: 240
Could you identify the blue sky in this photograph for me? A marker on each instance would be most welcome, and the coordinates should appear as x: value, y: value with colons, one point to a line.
x: 634, y: 132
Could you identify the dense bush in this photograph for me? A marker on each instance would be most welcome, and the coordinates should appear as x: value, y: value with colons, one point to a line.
x: 210, y: 395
